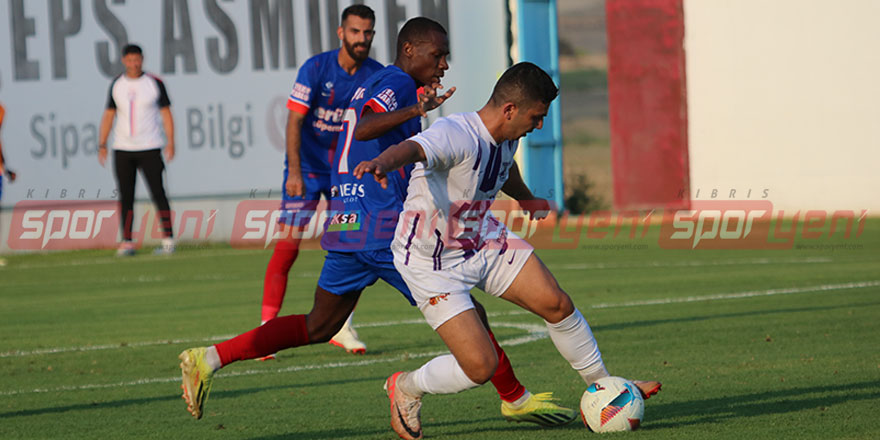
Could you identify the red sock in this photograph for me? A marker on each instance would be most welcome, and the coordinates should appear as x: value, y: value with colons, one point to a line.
x: 275, y: 282
x: 504, y: 380
x: 273, y: 336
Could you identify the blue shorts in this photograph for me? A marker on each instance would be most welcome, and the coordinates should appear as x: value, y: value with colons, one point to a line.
x: 346, y: 272
x: 298, y: 211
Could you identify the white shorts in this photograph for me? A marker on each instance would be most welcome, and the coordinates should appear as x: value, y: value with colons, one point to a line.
x: 443, y: 294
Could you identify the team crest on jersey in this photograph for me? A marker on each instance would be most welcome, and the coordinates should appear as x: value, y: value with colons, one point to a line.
x: 328, y: 91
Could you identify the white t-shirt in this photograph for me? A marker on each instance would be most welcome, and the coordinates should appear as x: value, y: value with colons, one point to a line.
x: 445, y: 217
x: 137, y: 102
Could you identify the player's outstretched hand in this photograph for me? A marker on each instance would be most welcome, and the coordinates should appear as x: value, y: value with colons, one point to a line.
x: 538, y: 209
x: 374, y: 168
x: 102, y: 155
x: 429, y: 100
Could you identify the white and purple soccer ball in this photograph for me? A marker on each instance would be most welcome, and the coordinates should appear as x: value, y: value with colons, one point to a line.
x: 612, y: 404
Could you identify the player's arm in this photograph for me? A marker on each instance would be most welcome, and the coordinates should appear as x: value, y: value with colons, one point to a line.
x: 293, y: 136
x: 104, y: 133
x: 373, y: 124
x: 396, y: 156
x: 517, y: 189
x: 164, y: 104
x: 2, y: 161
x: 168, y: 125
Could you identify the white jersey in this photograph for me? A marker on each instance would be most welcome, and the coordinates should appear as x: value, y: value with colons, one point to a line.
x: 446, y: 218
x: 137, y: 102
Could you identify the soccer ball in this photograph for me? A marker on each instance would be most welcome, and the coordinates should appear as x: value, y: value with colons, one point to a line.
x: 612, y: 404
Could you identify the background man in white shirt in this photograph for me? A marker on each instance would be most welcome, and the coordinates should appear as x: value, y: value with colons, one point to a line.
x: 141, y: 102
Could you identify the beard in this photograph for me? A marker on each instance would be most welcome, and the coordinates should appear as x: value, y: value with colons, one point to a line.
x: 356, y: 51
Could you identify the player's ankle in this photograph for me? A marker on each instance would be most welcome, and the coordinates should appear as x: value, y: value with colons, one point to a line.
x: 521, y: 401
x: 594, y: 372
x: 212, y: 358
x: 407, y: 385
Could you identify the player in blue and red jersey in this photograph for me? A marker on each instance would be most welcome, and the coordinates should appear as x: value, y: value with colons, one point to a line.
x: 386, y: 110
x: 360, y: 223
x: 323, y: 89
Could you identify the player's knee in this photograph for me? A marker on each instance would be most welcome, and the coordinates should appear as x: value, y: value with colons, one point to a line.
x: 557, y: 306
x: 480, y: 371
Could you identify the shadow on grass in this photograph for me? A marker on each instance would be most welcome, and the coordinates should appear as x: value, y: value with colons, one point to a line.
x: 741, y: 407
x: 649, y: 323
x: 663, y: 416
x: 467, y: 427
x: 215, y: 394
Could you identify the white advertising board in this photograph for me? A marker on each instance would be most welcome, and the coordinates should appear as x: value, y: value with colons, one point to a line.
x: 228, y: 66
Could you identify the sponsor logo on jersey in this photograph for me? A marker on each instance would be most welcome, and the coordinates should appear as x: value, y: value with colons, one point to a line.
x: 434, y: 300
x: 349, y: 221
x: 389, y: 99
x: 301, y: 92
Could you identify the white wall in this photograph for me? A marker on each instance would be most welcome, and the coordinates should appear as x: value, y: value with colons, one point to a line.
x: 784, y: 96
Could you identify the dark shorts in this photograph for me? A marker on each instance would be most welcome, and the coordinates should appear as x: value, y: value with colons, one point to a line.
x: 345, y: 272
x: 298, y: 211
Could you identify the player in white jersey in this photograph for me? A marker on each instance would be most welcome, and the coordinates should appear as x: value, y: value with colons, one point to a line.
x: 447, y: 242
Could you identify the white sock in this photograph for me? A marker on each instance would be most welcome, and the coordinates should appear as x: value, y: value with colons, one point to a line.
x: 346, y: 326
x: 212, y: 358
x: 594, y: 373
x: 441, y: 375
x: 575, y: 342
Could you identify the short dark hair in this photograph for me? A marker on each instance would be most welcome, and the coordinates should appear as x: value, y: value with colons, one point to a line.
x: 362, y: 11
x: 524, y: 82
x: 132, y: 48
x: 417, y: 29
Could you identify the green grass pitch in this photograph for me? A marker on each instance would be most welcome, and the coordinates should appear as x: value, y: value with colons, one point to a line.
x: 749, y: 344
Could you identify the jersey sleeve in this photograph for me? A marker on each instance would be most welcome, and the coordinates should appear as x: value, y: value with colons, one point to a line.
x: 162, y: 101
x: 389, y: 94
x: 111, y: 103
x: 443, y: 143
x: 300, y: 99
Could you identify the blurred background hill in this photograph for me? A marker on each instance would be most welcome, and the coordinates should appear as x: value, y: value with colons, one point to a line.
x: 584, y: 95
